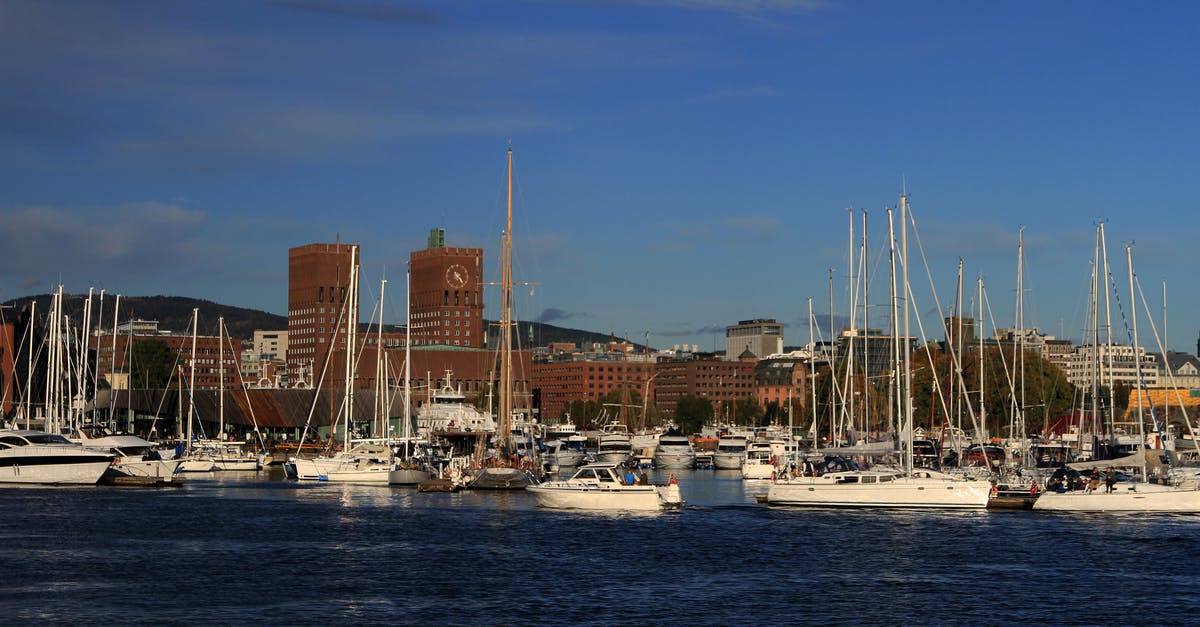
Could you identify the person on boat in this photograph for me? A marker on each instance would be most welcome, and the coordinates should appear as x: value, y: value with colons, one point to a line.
x: 642, y: 478
x: 1093, y: 481
x: 1110, y: 479
x: 630, y: 479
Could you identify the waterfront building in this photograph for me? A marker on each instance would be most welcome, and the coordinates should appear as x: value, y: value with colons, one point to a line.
x: 319, y: 283
x: 447, y: 295
x: 207, y: 359
x: 760, y: 336
x: 719, y: 380
x: 567, y: 374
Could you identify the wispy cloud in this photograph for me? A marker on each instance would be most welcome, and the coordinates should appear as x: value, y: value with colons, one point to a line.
x: 553, y: 314
x: 752, y: 92
x: 374, y: 11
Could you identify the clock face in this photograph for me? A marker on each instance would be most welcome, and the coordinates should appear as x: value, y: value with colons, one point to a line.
x: 456, y: 276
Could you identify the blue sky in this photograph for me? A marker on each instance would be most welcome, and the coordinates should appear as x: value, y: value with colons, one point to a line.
x: 681, y: 164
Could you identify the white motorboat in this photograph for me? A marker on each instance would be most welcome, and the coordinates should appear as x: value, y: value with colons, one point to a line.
x: 881, y: 488
x: 614, y: 447
x: 674, y: 451
x: 600, y: 487
x: 33, y: 457
x: 566, y: 452
x: 132, y: 456
x: 730, y: 453
x: 760, y: 461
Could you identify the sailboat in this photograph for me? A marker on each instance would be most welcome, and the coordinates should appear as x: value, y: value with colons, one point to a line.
x: 408, y: 469
x: 504, y: 469
x: 906, y: 488
x: 363, y: 461
x: 1140, y: 496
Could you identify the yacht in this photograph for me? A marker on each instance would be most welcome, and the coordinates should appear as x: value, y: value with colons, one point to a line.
x: 730, y: 453
x: 367, y: 461
x: 884, y: 487
x: 32, y: 457
x: 760, y: 461
x: 447, y: 411
x: 614, y: 447
x: 674, y: 451
x: 600, y: 486
x: 132, y: 456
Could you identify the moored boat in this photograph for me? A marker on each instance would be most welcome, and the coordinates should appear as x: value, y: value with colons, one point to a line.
x: 37, y: 457
x: 600, y: 486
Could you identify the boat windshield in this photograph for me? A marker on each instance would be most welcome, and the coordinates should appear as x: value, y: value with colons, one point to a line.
x: 47, y: 438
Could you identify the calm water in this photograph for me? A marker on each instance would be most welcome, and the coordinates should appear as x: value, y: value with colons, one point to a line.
x: 255, y: 548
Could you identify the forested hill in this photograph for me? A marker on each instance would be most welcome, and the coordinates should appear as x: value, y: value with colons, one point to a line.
x: 174, y: 313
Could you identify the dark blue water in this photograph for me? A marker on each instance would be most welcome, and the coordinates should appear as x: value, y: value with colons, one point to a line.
x: 256, y: 548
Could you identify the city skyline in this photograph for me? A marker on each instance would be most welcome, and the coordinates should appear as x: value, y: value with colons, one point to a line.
x: 681, y: 165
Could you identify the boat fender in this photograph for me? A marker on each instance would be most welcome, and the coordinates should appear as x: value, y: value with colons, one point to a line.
x: 995, y: 489
x: 673, y: 480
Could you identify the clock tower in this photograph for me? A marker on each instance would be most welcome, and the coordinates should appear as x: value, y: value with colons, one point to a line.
x: 447, y: 295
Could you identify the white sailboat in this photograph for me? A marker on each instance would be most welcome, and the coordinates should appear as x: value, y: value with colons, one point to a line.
x: 1140, y: 496
x: 407, y: 469
x: 366, y: 460
x: 885, y: 488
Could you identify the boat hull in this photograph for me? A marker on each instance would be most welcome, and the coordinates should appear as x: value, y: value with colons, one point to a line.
x: 905, y: 493
x: 674, y: 461
x: 33, y: 470
x: 501, y: 478
x: 728, y: 461
x: 569, y: 495
x: 408, y: 476
x: 758, y: 471
x: 1143, y: 498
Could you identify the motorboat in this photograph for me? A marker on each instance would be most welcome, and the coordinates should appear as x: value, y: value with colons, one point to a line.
x: 31, y: 457
x: 614, y: 447
x: 565, y: 452
x: 878, y: 488
x: 132, y: 456
x: 760, y: 461
x: 674, y: 451
x: 600, y: 486
x: 730, y: 453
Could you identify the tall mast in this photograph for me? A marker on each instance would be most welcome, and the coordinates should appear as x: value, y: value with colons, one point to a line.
x: 506, y: 401
x: 406, y: 430
x: 221, y: 377
x: 812, y: 372
x: 192, y: 380
x: 908, y: 401
x: 1137, y: 365
x: 380, y: 371
x: 351, y: 337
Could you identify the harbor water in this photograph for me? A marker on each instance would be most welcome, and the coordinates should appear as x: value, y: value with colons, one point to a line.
x: 241, y: 548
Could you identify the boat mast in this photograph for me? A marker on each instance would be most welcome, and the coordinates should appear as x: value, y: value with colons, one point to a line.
x: 506, y: 401
x: 894, y: 394
x: 221, y: 378
x: 192, y: 380
x: 1137, y: 366
x: 380, y: 372
x: 406, y: 430
x: 907, y: 354
x: 812, y: 372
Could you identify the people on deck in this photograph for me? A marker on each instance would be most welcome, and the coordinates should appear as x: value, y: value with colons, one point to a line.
x: 1110, y: 479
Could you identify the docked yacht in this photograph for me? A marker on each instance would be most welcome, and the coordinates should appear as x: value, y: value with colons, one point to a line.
x: 674, y: 451
x: 614, y: 447
x: 600, y: 486
x: 132, y: 456
x: 447, y: 410
x: 881, y: 488
x: 730, y: 453
x: 33, y: 457
x: 760, y: 461
x: 367, y: 461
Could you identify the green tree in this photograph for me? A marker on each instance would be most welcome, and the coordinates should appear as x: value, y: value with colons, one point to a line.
x: 692, y: 413
x: 152, y: 364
